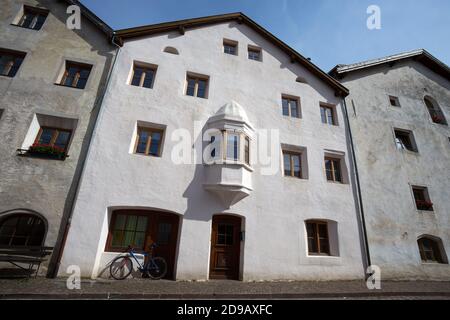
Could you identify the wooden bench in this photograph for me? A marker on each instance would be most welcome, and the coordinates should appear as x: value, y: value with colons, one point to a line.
x: 30, y: 256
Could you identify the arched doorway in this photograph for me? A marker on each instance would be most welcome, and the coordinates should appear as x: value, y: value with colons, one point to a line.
x: 141, y: 228
x: 225, y: 247
x: 22, y: 229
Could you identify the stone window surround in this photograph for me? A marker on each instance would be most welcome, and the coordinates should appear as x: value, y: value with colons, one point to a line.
x: 46, y: 119
x: 145, y: 65
x: 62, y: 69
x: 335, y: 113
x: 21, y: 12
x: 428, y: 197
x: 341, y: 156
x: 150, y: 126
x: 303, y: 152
x: 411, y: 137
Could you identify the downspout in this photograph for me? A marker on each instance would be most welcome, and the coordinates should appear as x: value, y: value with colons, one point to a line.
x: 59, y: 247
x: 358, y: 186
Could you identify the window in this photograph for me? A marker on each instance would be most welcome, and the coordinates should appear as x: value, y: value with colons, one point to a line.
x: 290, y: 107
x: 22, y: 230
x: 254, y: 53
x: 32, y: 18
x: 247, y: 150
x: 422, y: 199
x: 430, y: 250
x: 148, y: 141
x: 435, y: 111
x: 394, y: 101
x: 143, y: 76
x: 76, y: 75
x: 318, y: 241
x: 327, y: 114
x: 292, y: 164
x: 171, y: 50
x: 405, y: 140
x: 128, y: 230
x: 333, y: 169
x: 197, y: 86
x: 10, y: 62
x: 232, y: 146
x: 230, y: 47
x: 54, y: 138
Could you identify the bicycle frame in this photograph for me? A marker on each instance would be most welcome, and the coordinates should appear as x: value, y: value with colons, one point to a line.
x: 146, y: 266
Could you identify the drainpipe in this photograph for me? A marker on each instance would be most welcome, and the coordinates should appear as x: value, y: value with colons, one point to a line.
x: 358, y: 186
x: 59, y: 247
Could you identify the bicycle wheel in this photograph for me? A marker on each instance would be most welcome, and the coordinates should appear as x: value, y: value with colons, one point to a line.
x: 157, y: 269
x: 121, y: 267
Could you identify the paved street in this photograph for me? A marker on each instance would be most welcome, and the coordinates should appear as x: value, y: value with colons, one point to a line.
x: 42, y: 288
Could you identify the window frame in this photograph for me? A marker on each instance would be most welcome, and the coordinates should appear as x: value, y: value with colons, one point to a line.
x: 437, y: 255
x: 434, y: 110
x: 424, y: 204
x: 20, y: 216
x: 197, y: 79
x: 149, y: 131
x: 36, y: 12
x: 396, y: 100
x: 145, y: 69
x: 291, y: 155
x: 81, y: 67
x: 290, y: 99
x: 332, y: 109
x: 55, y: 136
x: 15, y: 55
x: 399, y: 143
x: 333, y: 169
x: 232, y: 44
x: 317, y: 239
x: 109, y: 247
x: 254, y: 49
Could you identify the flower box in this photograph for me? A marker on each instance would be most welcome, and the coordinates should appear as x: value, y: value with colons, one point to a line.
x: 46, y: 151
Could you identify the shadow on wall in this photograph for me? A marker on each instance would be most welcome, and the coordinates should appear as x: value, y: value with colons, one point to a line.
x: 99, y: 44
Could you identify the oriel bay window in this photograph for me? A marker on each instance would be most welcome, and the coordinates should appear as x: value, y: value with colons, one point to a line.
x: 235, y: 147
x: 318, y: 240
x: 10, y: 62
x: 75, y: 75
x: 149, y: 141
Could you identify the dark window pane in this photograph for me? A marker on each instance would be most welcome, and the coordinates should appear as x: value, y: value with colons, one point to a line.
x: 142, y: 224
x: 156, y: 141
x: 40, y: 21
x: 148, y: 81
x: 136, y: 81
x: 323, y: 115
x: 46, y: 136
x: 139, y: 240
x: 120, y: 222
x: 330, y: 116
x: 247, y: 150
x: 117, y: 240
x: 164, y: 232
x: 201, y: 93
x: 287, y: 165
x: 294, y: 108
x: 232, y: 146
x: 230, y: 49
x: 337, y: 170
x: 297, y: 166
x: 142, y: 143
x: 22, y: 230
x: 329, y: 170
x: 190, y: 87
x: 285, y: 107
x: 62, y: 140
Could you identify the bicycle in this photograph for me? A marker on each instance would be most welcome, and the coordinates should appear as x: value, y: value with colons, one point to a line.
x: 122, y: 266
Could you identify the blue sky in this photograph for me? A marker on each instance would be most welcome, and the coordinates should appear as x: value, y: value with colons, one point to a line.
x: 328, y: 31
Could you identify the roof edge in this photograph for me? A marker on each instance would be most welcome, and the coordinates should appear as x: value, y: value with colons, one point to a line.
x: 92, y: 17
x: 181, y: 25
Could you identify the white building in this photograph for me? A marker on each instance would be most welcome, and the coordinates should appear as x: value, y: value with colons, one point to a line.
x: 399, y: 108
x: 239, y: 218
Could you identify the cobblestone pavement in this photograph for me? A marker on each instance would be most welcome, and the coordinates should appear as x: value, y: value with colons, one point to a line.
x: 42, y: 288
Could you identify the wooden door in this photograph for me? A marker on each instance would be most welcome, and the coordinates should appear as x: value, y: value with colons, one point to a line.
x: 225, y: 247
x: 163, y: 230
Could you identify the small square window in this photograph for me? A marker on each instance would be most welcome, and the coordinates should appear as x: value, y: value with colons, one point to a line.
x: 405, y: 140
x: 10, y: 62
x: 32, y: 18
x: 143, y: 76
x: 254, y: 53
x: 292, y: 164
x: 76, y: 75
x: 291, y: 106
x: 333, y: 169
x: 149, y: 141
x: 230, y: 47
x: 422, y: 199
x: 318, y: 239
x: 197, y: 86
x: 328, y: 114
x: 394, y: 101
